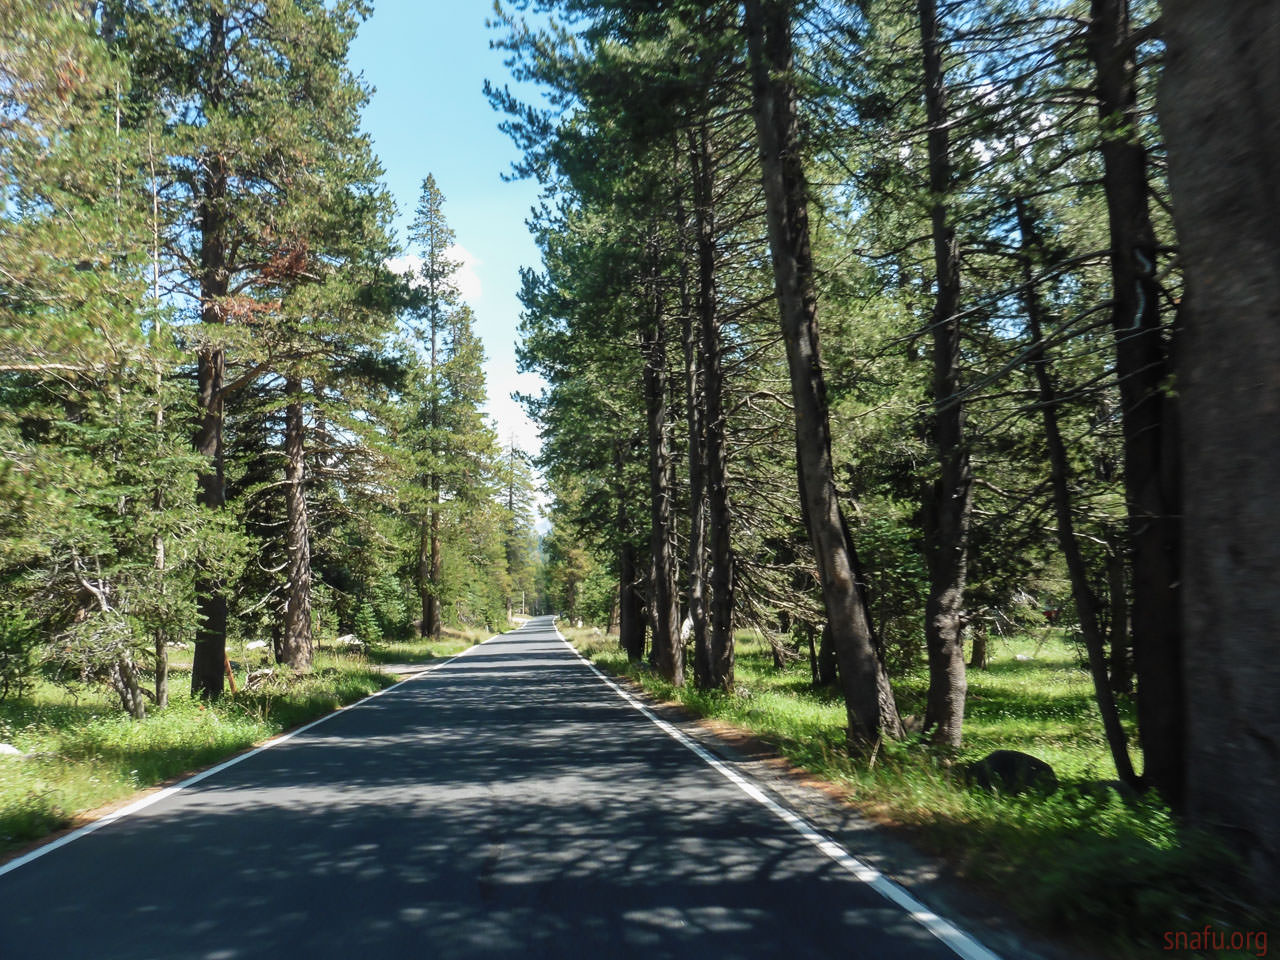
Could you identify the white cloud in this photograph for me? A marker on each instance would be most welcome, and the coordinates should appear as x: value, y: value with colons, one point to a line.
x: 465, y: 277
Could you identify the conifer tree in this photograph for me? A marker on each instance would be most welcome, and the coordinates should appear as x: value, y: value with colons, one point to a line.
x: 260, y: 97
x: 100, y: 533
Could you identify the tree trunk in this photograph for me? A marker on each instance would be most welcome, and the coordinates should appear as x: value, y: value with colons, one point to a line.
x: 695, y: 417
x: 630, y: 604
x: 720, y: 653
x: 664, y: 611
x: 630, y: 608
x: 431, y: 617
x: 429, y: 547
x: 1118, y: 596
x: 160, y: 638
x: 1218, y: 99
x: 828, y: 674
x: 422, y: 574
x: 947, y: 503
x: 1060, y: 479
x: 295, y: 641
x: 124, y: 680
x: 978, y: 657
x: 869, y: 703
x: 1143, y: 369
x: 210, y: 654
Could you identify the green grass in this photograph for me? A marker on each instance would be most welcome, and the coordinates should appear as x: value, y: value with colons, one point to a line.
x: 87, y: 753
x: 1081, y: 865
x: 452, y: 642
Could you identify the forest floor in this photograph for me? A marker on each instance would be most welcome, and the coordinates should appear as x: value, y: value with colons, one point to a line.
x: 1083, y: 865
x: 81, y: 755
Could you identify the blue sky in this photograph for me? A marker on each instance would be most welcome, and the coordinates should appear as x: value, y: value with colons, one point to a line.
x: 428, y: 60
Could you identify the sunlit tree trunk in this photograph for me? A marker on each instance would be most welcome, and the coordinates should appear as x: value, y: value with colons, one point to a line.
x: 869, y: 702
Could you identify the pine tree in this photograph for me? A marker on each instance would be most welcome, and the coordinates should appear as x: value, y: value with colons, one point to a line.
x: 454, y: 448
x: 101, y: 536
x: 261, y: 96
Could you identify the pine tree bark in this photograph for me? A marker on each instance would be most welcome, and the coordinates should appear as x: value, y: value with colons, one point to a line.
x: 630, y: 604
x: 869, y: 702
x: 719, y: 646
x: 429, y: 544
x: 947, y: 503
x: 1143, y: 369
x: 295, y: 649
x: 630, y: 607
x: 1217, y: 108
x: 1118, y: 597
x: 1060, y: 480
x: 422, y: 574
x: 664, y: 610
x: 209, y: 658
x: 695, y: 418
x: 431, y: 615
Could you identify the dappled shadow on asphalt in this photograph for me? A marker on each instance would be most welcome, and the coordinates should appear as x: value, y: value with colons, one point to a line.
x: 505, y: 805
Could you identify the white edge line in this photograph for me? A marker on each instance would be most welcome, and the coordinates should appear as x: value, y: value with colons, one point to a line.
x: 960, y: 943
x: 169, y: 791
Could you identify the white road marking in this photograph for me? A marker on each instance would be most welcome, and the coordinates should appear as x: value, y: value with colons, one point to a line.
x: 961, y: 943
x: 205, y: 774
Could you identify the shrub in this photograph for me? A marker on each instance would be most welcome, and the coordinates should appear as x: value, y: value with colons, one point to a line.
x: 18, y: 640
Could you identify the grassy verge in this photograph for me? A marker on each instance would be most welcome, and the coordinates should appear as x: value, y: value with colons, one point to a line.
x: 1083, y: 864
x: 84, y: 753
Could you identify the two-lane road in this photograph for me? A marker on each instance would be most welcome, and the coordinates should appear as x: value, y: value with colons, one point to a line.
x: 506, y: 804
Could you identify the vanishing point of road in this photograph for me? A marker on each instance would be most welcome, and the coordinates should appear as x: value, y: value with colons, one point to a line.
x: 507, y: 803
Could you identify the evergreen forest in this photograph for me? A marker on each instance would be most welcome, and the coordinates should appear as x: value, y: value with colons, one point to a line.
x: 877, y: 339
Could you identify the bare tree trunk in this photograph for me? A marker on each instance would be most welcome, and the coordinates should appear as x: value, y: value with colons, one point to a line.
x: 1217, y: 99
x: 978, y: 657
x: 1143, y: 369
x: 630, y: 608
x: 1118, y: 596
x: 210, y: 654
x: 429, y: 546
x: 209, y: 658
x: 630, y: 605
x: 422, y: 574
x: 664, y: 610
x: 947, y: 503
x: 695, y: 417
x: 124, y: 680
x: 869, y: 702
x: 720, y: 652
x: 295, y: 648
x: 432, y: 621
x: 160, y: 639
x: 1060, y: 478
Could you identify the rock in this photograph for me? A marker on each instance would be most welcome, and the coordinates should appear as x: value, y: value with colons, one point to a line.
x: 1010, y: 771
x: 9, y: 750
x: 255, y: 645
x: 1022, y: 656
x: 350, y: 639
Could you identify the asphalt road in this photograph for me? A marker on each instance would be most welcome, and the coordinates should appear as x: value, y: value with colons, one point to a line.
x: 506, y: 804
